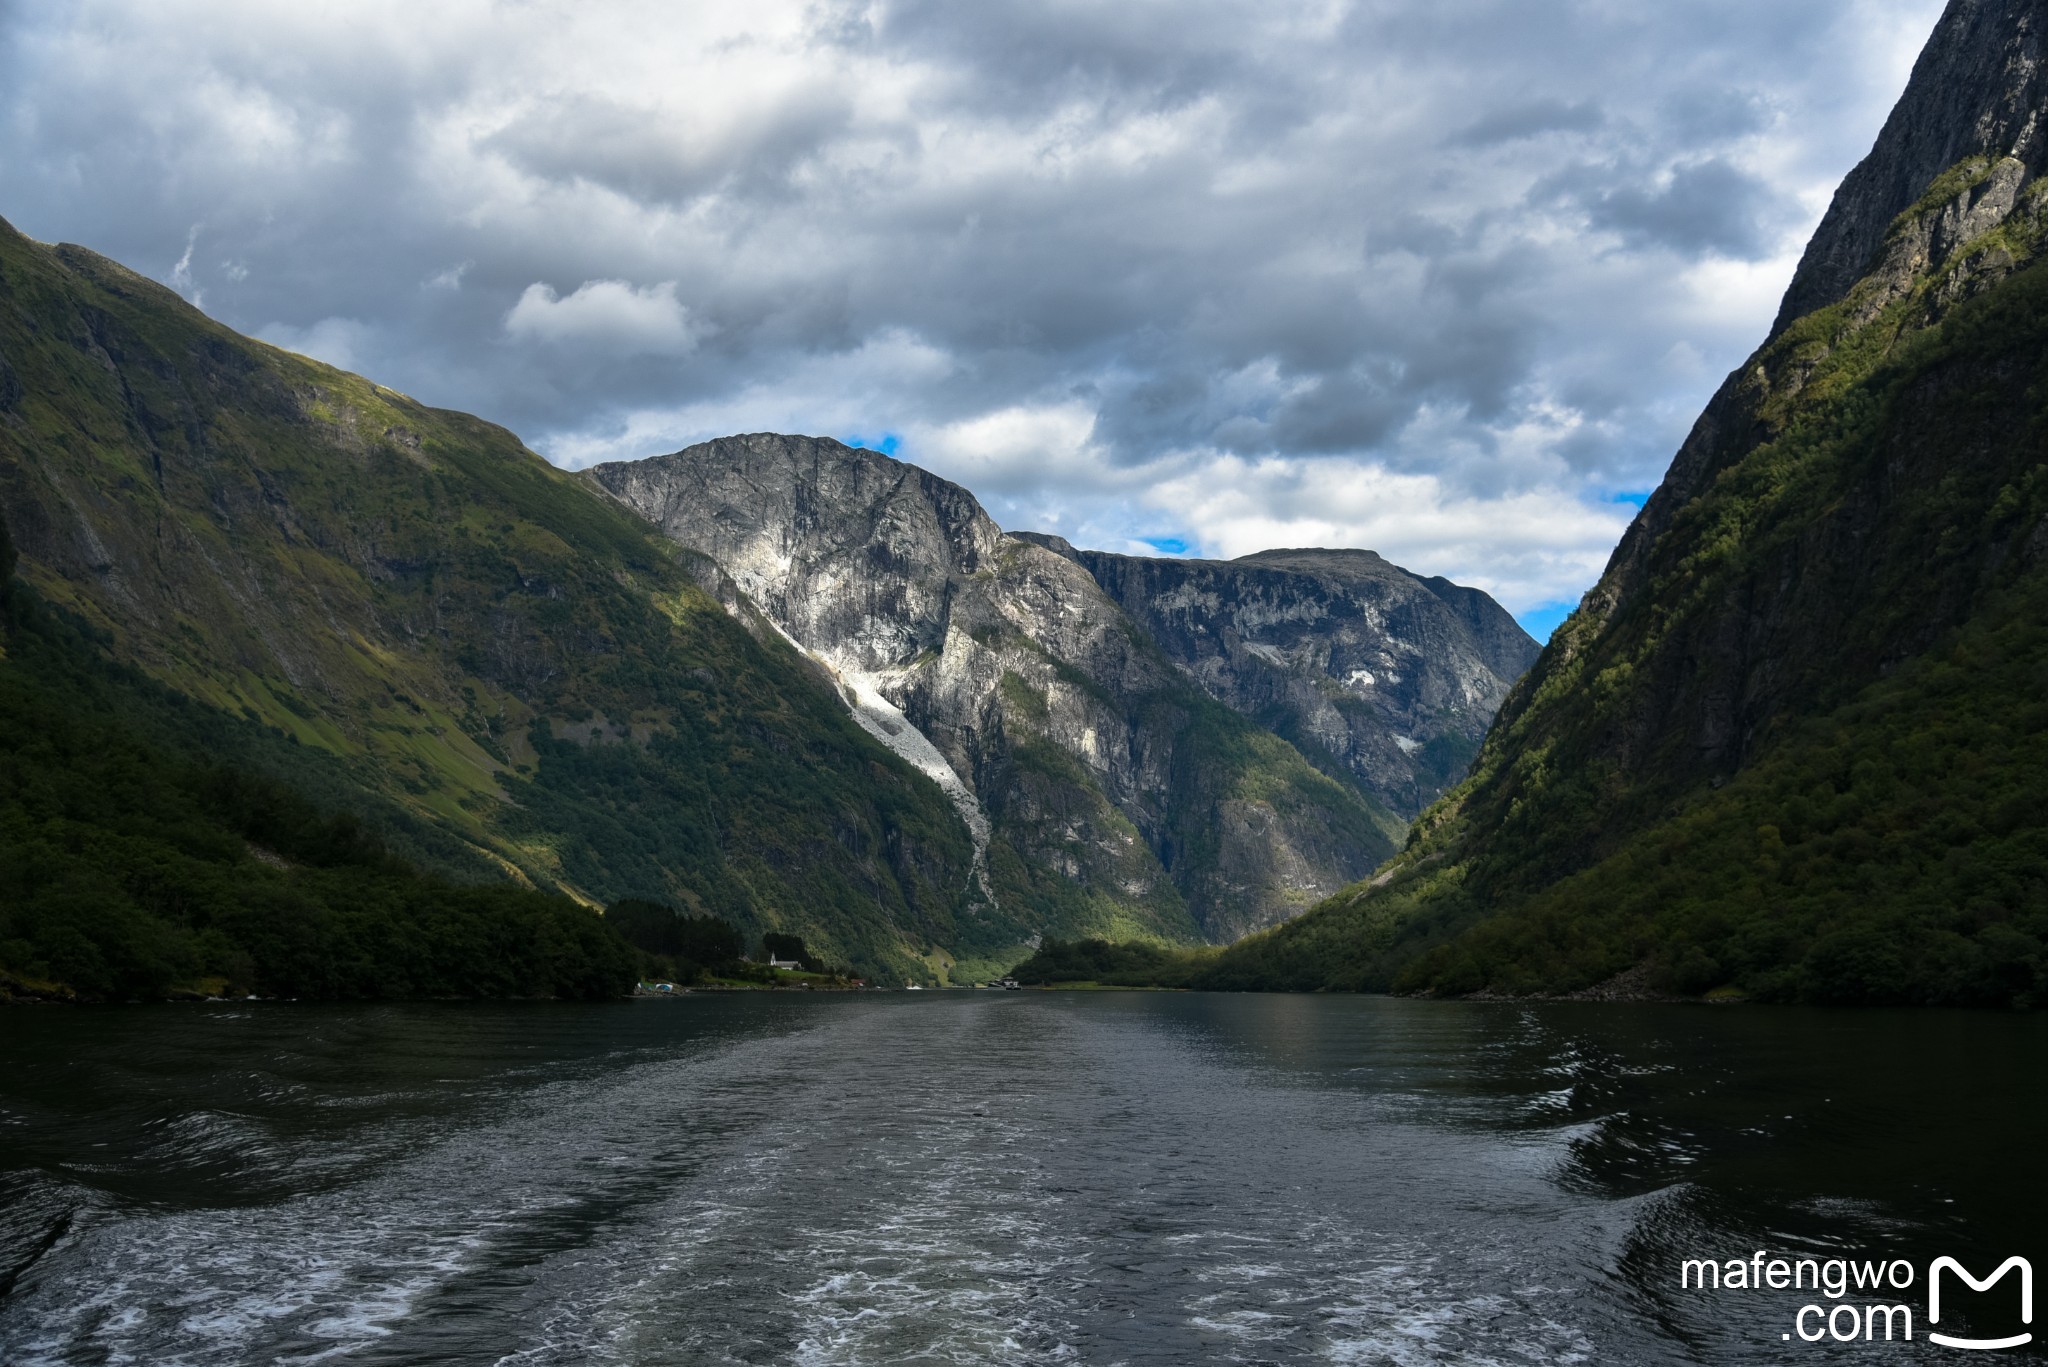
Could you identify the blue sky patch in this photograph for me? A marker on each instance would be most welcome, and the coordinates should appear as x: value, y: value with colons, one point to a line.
x: 1166, y: 545
x: 888, y: 443
x: 1634, y: 497
x: 1540, y: 621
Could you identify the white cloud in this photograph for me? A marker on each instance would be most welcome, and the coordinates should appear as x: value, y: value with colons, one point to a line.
x: 1525, y: 549
x: 831, y: 395
x: 1015, y: 449
x: 181, y: 272
x: 341, y: 342
x: 610, y: 314
x: 449, y: 279
x: 1127, y: 270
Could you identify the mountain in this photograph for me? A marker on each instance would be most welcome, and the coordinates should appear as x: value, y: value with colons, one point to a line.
x: 401, y: 614
x: 1109, y: 793
x: 1381, y: 677
x: 1793, y: 744
x: 845, y: 707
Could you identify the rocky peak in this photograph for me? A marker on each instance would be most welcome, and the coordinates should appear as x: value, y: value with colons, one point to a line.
x: 1978, y: 89
x: 851, y: 552
x: 1106, y: 793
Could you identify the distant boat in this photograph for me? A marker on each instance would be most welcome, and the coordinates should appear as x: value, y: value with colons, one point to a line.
x: 1011, y: 985
x: 914, y: 987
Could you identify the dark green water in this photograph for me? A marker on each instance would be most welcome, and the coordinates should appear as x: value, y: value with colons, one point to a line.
x: 997, y: 1177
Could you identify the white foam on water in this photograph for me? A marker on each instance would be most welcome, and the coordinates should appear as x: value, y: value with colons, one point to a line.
x: 330, y: 1274
x: 824, y: 1197
x: 897, y: 1275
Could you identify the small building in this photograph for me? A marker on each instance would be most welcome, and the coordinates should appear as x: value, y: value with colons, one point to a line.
x: 793, y: 965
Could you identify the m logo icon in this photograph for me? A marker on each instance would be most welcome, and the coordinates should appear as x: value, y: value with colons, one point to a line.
x: 2026, y: 1300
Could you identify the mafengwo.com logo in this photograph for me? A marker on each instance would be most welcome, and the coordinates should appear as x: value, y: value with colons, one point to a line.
x: 1867, y: 1300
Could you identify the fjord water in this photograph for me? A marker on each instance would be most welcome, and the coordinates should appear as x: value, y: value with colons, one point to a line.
x: 987, y: 1177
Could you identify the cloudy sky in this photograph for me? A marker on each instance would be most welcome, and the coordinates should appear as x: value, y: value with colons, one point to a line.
x: 1444, y: 278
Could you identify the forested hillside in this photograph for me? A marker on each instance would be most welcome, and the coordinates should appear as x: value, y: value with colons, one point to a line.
x: 151, y: 851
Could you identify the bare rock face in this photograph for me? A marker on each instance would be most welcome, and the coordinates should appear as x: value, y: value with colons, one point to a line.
x: 1978, y: 88
x: 1387, y: 676
x: 853, y: 554
x: 1100, y: 750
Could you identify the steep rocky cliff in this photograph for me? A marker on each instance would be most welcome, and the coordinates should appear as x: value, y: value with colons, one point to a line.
x: 1383, y: 677
x: 1977, y: 89
x: 1109, y: 793
x: 1793, y: 741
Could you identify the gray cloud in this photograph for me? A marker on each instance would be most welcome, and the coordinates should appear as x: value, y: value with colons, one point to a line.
x: 1480, y: 253
x: 1692, y: 209
x: 1511, y: 122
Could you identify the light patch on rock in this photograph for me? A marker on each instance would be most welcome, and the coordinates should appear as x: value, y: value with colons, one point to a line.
x: 1359, y: 678
x: 1272, y: 655
x: 1253, y: 615
x: 882, y: 719
x: 886, y: 722
x: 1185, y: 597
x: 1409, y: 745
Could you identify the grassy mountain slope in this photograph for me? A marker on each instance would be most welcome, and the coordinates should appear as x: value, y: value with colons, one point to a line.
x: 458, y: 631
x: 1793, y: 743
x: 145, y: 856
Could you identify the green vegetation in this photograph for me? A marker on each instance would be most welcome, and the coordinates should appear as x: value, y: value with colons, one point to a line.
x: 138, y: 865
x: 678, y: 947
x: 420, y: 620
x: 1086, y: 871
x: 1222, y: 757
x: 1892, y: 851
x: 1050, y: 816
x: 793, y: 826
x: 1793, y: 748
x: 1101, y: 963
x: 791, y: 948
x: 309, y: 690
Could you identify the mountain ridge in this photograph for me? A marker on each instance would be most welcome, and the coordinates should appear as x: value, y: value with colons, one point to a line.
x: 1978, y: 84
